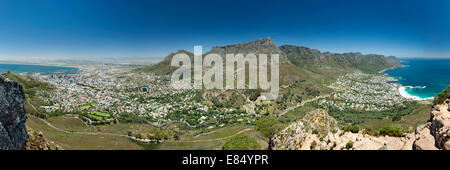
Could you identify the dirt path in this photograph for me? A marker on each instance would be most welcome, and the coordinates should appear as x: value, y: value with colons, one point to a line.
x: 34, y: 108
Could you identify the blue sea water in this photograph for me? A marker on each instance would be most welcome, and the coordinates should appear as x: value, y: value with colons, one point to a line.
x: 426, y: 77
x: 29, y: 69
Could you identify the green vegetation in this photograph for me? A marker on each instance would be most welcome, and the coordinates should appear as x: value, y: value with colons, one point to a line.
x: 442, y: 96
x: 386, y: 131
x: 296, y: 114
x: 420, y: 115
x: 313, y: 145
x: 268, y: 126
x: 159, y: 69
x: 101, y: 114
x: 79, y: 141
x: 214, y: 140
x: 131, y: 118
x: 156, y: 134
x: 349, y: 145
x: 241, y: 142
x: 96, y: 117
x: 307, y: 58
x: 351, y: 128
x: 392, y: 131
x: 315, y: 131
x: 350, y: 116
x: 396, y: 118
x: 253, y: 93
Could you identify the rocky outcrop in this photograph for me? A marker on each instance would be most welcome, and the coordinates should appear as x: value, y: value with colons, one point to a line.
x: 319, y: 131
x: 436, y: 133
x: 13, y: 133
x: 424, y: 139
x: 37, y: 141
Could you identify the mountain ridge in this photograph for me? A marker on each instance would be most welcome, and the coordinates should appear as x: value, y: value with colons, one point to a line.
x: 292, y: 52
x: 304, y: 72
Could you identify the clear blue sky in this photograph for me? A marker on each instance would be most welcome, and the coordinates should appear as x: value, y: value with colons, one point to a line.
x: 88, y: 29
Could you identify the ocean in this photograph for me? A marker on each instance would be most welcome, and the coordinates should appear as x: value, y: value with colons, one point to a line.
x: 422, y: 78
x: 30, y: 69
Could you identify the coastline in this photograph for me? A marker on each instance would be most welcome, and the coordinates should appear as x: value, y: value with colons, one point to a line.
x: 42, y: 64
x: 78, y: 69
x: 390, y: 68
x: 405, y: 94
x: 402, y: 89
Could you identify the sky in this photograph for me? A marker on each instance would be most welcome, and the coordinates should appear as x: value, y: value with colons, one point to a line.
x: 138, y: 29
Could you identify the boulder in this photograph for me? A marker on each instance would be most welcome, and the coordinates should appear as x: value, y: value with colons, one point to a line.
x: 440, y: 126
x: 424, y: 139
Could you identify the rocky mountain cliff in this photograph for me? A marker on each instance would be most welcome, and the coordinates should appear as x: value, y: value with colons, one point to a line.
x: 260, y: 46
x: 252, y: 46
x: 436, y: 133
x: 300, y: 56
x: 314, y: 59
x: 13, y: 133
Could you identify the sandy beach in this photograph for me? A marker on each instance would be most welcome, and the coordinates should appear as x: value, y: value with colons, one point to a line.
x: 405, y: 94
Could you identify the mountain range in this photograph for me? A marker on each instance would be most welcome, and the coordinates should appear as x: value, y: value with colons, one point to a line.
x: 304, y: 72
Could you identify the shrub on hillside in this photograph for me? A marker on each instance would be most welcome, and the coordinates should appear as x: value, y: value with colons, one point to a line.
x: 315, y: 131
x: 351, y: 128
x: 371, y: 132
x: 396, y: 118
x: 313, y: 145
x: 268, y: 126
x: 392, y: 131
x: 349, y: 145
x: 442, y: 96
x: 241, y: 142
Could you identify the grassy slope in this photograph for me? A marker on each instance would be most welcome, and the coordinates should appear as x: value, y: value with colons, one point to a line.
x: 211, y: 141
x: 79, y: 141
x: 419, y: 116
